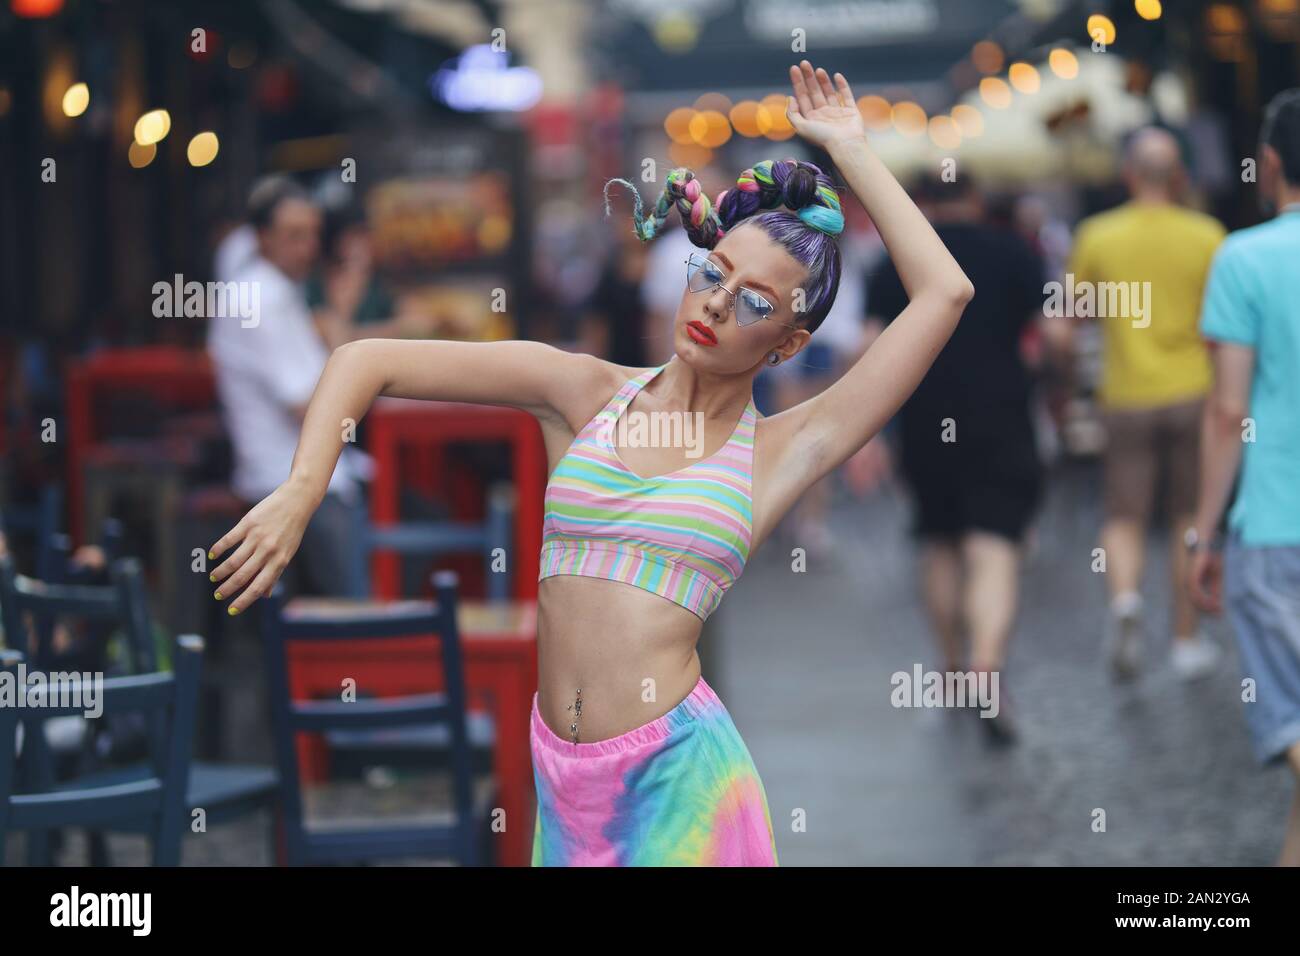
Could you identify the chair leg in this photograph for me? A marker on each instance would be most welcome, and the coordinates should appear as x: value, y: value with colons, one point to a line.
x: 40, y: 847
x: 97, y: 842
x: 279, y: 839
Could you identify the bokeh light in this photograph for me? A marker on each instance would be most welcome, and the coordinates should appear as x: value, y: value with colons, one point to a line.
x: 969, y: 120
x: 875, y: 110
x: 709, y: 128
x: 995, y: 92
x: 678, y: 125
x: 944, y: 132
x: 76, y: 99
x: 1148, y: 9
x: 1063, y: 63
x: 152, y: 127
x: 202, y: 149
x: 744, y: 118
x: 1101, y: 28
x: 1024, y: 77
x: 140, y: 156
x: 908, y: 118
x: 987, y: 57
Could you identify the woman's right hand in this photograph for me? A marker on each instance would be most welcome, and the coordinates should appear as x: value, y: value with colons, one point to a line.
x: 262, y: 543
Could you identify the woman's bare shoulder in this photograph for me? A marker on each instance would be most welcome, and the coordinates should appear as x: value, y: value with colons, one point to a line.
x: 588, y: 383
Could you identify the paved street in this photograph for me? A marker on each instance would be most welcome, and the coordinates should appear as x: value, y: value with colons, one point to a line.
x: 803, y: 662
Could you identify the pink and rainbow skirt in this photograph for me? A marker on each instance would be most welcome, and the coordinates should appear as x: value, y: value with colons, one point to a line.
x: 681, y: 790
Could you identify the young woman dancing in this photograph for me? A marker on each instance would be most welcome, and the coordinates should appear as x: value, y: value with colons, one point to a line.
x: 635, y: 759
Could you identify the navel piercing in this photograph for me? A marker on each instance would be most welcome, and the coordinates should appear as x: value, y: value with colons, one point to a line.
x: 576, y: 707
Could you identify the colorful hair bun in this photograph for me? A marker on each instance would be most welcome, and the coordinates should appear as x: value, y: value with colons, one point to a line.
x: 768, y: 184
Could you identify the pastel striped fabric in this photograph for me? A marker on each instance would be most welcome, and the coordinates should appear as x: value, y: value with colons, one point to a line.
x: 684, y: 536
x: 681, y: 790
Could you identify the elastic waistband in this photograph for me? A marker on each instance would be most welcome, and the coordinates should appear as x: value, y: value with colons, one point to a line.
x: 698, y: 702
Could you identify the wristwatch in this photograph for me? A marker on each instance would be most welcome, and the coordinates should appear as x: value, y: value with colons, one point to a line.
x: 1192, y: 541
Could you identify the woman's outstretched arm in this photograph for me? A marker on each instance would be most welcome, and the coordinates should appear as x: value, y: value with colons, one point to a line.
x: 821, y: 433
x: 531, y: 376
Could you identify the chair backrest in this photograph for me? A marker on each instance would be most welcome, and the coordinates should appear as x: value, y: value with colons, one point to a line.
x: 155, y: 803
x: 40, y: 522
x: 289, y: 717
x: 123, y: 604
x: 490, y: 537
x: 59, y: 567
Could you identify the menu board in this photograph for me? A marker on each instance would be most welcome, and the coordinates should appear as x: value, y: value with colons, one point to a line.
x: 448, y: 225
x: 430, y: 222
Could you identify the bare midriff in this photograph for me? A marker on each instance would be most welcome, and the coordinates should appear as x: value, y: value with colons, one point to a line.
x: 628, y: 654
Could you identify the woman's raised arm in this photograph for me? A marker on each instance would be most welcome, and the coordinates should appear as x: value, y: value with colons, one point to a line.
x: 821, y: 433
x: 531, y: 376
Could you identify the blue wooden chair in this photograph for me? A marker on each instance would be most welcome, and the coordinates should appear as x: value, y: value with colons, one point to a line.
x: 224, y: 791
x: 460, y: 838
x: 40, y: 522
x: 431, y: 539
x: 121, y: 604
x: 153, y: 803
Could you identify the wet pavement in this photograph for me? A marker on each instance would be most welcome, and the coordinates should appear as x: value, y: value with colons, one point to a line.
x: 804, y: 660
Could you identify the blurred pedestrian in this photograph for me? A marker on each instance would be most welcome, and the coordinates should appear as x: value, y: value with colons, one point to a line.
x: 967, y: 443
x: 347, y: 297
x: 820, y: 365
x: 615, y: 318
x: 1155, y: 373
x: 1252, y: 318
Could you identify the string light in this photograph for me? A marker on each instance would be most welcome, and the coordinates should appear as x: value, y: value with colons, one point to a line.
x: 1024, y: 77
x: 995, y: 92
x: 202, y: 149
x: 908, y: 118
x: 969, y: 120
x: 1063, y: 63
x: 1100, y: 28
x: 152, y: 127
x: 76, y: 99
x: 1148, y: 9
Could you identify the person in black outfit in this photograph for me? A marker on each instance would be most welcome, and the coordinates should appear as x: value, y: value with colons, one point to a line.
x: 615, y: 313
x: 967, y: 446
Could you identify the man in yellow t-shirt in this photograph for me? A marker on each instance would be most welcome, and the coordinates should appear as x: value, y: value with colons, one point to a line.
x: 1140, y: 270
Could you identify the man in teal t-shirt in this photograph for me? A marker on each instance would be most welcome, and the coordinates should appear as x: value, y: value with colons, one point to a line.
x: 1251, y: 315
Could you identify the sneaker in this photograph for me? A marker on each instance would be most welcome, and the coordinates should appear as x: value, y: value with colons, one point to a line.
x: 817, y: 538
x: 1002, y: 727
x: 1194, y: 658
x: 1124, y: 641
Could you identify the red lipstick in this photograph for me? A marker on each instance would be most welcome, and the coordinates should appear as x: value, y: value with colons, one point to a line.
x: 700, y: 333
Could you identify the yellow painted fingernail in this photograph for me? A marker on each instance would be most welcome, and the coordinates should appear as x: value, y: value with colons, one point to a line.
x: 217, y: 595
x: 212, y: 578
x: 211, y: 555
x: 232, y: 610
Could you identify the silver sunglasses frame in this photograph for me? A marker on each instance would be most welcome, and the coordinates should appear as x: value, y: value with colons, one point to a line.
x: 732, y: 295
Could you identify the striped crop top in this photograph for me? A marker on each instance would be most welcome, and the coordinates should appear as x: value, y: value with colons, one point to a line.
x: 683, y: 535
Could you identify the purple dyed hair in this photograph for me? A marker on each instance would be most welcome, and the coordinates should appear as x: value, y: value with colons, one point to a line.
x: 768, y: 185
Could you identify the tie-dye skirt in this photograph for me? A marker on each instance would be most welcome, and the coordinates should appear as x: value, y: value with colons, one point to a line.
x: 681, y: 790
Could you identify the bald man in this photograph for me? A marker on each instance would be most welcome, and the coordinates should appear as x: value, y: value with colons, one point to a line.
x: 1140, y: 271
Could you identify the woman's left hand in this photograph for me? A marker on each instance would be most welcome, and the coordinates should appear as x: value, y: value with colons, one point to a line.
x: 820, y: 111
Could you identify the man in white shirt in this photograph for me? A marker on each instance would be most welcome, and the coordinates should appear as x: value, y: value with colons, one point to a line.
x: 267, y: 366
